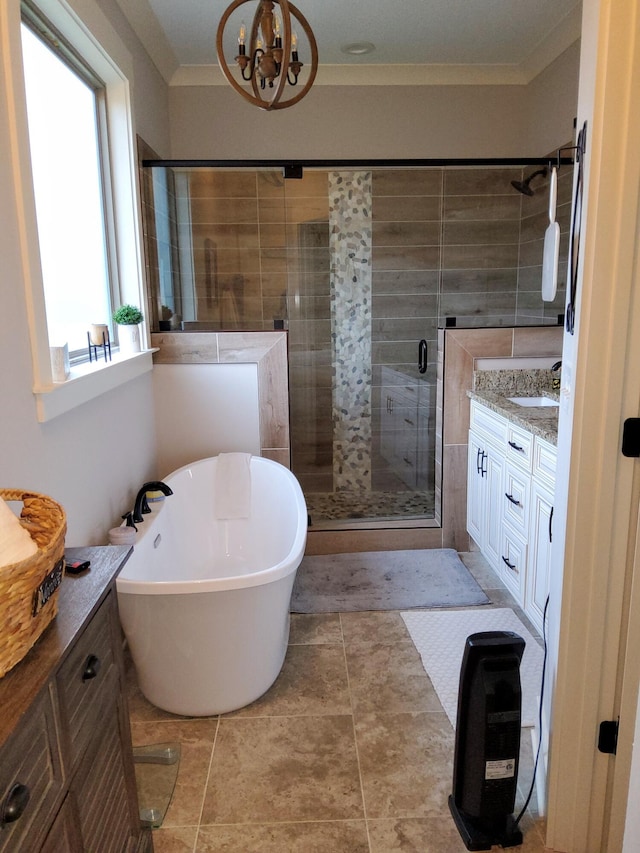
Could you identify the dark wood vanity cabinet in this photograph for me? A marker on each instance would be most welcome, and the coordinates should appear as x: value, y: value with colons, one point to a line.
x: 67, y: 780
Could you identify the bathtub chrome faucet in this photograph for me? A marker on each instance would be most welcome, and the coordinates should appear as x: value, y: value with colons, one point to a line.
x: 141, y: 505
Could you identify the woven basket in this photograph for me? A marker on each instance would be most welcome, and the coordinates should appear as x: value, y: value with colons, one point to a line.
x: 29, y: 589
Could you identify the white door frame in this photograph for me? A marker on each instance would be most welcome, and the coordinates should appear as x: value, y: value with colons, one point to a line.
x: 598, y: 497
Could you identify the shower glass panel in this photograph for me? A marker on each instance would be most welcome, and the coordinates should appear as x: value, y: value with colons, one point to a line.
x: 362, y: 266
x: 362, y: 289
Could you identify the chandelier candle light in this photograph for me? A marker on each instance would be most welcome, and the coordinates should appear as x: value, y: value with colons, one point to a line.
x: 262, y: 59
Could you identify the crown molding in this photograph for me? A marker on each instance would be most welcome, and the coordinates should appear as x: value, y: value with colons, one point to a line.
x: 376, y: 75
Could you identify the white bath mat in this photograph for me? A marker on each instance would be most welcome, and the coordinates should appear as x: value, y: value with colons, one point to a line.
x: 440, y: 638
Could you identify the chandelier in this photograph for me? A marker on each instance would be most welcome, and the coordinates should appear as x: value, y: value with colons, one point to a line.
x: 268, y: 54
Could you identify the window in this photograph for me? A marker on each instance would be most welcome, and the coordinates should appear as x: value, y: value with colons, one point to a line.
x: 89, y: 52
x: 65, y: 109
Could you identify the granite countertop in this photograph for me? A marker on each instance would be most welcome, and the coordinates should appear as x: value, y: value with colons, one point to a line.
x: 492, y: 388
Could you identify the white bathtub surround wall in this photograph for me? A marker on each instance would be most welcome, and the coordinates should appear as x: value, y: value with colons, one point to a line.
x: 204, y: 409
x: 264, y: 352
x: 350, y: 287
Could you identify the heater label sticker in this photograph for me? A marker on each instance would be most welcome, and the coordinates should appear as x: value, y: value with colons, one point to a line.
x: 504, y: 769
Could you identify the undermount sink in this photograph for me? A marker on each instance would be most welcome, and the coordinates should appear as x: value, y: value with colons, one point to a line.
x: 534, y: 401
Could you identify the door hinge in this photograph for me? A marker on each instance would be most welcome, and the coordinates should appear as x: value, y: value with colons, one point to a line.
x: 631, y: 437
x: 608, y: 737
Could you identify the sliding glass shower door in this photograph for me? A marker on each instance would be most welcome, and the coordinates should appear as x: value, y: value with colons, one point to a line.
x: 362, y: 301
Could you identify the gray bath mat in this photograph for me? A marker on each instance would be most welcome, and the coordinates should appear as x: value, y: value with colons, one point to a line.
x: 384, y: 580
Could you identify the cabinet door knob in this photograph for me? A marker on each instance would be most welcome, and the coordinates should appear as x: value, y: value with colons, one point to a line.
x: 91, y: 668
x: 516, y: 446
x: 15, y: 803
x: 512, y: 499
x: 509, y: 565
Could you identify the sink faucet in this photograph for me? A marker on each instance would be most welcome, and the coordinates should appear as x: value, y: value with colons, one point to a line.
x: 556, y: 368
x: 141, y: 505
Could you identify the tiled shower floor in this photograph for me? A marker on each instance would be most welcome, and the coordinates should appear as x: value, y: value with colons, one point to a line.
x: 373, y: 506
x: 348, y: 752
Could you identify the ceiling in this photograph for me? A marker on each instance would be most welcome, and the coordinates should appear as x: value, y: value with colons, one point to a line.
x: 469, y: 40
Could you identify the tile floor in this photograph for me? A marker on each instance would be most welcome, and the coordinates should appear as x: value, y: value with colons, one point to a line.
x: 348, y: 752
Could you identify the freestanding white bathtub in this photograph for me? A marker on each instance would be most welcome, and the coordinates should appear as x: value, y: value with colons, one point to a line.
x: 204, y: 603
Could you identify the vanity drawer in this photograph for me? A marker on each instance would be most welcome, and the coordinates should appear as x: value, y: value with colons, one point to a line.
x: 519, y: 446
x: 544, y: 462
x: 31, y: 778
x: 515, y: 508
x: 83, y: 679
x: 488, y: 423
x: 513, y: 562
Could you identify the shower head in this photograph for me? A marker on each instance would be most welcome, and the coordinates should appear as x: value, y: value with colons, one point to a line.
x: 523, y: 186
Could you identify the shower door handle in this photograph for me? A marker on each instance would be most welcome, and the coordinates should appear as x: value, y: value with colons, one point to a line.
x: 422, y: 356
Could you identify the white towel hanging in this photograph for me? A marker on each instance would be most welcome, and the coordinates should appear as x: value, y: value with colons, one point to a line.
x: 233, y: 486
x: 551, y: 251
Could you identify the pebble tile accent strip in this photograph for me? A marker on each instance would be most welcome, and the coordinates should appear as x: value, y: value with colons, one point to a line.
x: 350, y: 288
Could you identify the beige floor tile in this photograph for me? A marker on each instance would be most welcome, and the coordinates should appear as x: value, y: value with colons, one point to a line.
x: 325, y: 837
x: 415, y: 835
x: 283, y: 769
x: 196, y: 738
x: 406, y: 763
x: 289, y: 773
x: 175, y: 839
x: 313, y: 680
x: 389, y: 678
x: 434, y: 835
x: 315, y: 628
x: 374, y: 627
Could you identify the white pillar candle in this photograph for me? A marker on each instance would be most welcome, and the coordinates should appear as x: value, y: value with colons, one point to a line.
x: 59, y: 362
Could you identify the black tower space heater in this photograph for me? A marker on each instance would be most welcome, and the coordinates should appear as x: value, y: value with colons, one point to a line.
x: 485, y: 771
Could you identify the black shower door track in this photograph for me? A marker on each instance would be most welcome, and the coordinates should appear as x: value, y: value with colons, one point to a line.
x: 359, y: 164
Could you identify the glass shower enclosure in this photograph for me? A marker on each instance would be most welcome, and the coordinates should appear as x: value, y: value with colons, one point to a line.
x: 361, y: 266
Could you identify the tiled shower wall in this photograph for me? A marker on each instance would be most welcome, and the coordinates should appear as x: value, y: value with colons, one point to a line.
x: 447, y: 243
x: 463, y: 235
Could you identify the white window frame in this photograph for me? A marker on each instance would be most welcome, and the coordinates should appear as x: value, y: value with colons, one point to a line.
x: 97, y: 42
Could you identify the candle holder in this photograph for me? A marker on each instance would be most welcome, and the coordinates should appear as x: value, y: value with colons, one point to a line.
x: 98, y: 338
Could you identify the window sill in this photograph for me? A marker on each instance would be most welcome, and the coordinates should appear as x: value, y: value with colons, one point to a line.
x: 88, y: 381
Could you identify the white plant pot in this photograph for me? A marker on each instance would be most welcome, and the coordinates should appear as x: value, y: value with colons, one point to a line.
x: 129, y: 339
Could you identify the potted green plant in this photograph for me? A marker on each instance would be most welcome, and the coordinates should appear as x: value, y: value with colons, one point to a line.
x: 128, y: 318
